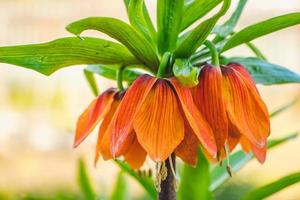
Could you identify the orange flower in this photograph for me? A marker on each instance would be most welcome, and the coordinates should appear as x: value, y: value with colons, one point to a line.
x: 155, y: 117
x: 230, y: 102
x: 103, y: 108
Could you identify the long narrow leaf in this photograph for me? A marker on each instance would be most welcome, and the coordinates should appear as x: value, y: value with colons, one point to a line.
x: 194, y: 183
x: 284, y: 107
x: 121, y: 31
x: 89, y: 76
x: 271, y: 188
x: 110, y: 72
x: 84, y: 181
x: 197, y: 36
x: 120, y: 191
x: 169, y: 15
x: 197, y: 9
x: 266, y: 73
x: 227, y: 28
x: 262, y: 28
x: 48, y: 57
x: 239, y: 159
x: 139, y: 18
x: 146, y: 182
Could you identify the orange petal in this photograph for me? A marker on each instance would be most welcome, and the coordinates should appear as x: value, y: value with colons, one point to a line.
x: 259, y: 153
x: 158, y: 123
x: 92, y: 115
x: 245, y: 108
x: 188, y: 148
x: 200, y: 127
x: 103, y: 141
x: 209, y: 100
x: 242, y: 70
x: 130, y: 104
x: 136, y: 155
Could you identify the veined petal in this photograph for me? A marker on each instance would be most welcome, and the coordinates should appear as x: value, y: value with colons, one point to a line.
x: 92, y: 115
x: 242, y: 70
x: 136, y: 155
x: 199, y: 125
x: 158, y: 123
x: 259, y: 153
x: 130, y: 104
x: 188, y: 148
x: 208, y: 97
x: 103, y: 141
x: 245, y: 108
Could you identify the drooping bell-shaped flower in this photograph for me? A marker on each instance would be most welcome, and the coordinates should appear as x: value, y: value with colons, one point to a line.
x: 163, y: 115
x: 229, y: 100
x: 155, y: 117
x: 103, y: 109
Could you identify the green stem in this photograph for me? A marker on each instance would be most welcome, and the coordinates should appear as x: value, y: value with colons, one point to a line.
x: 120, y: 78
x: 214, y: 53
x: 165, y: 62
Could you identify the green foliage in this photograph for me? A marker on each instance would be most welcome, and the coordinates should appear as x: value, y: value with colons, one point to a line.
x: 84, y: 181
x: 124, y: 33
x: 262, y: 28
x: 120, y: 191
x: 195, y: 181
x: 145, y: 181
x: 266, y: 73
x: 239, y: 159
x: 185, y: 72
x: 110, y: 72
x: 89, y: 76
x: 284, y: 107
x: 271, y: 188
x: 48, y: 57
x: 195, y: 10
x: 169, y: 15
x: 227, y: 28
x: 195, y: 38
x: 139, y: 18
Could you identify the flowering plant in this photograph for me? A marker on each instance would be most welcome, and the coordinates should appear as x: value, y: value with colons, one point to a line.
x: 183, y: 98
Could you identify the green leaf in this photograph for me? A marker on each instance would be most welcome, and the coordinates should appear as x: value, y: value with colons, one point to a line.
x: 124, y: 33
x: 193, y: 40
x: 139, y: 18
x: 169, y: 15
x: 145, y: 181
x: 110, y: 72
x: 238, y: 160
x: 227, y: 28
x: 271, y: 188
x: 256, y: 51
x: 194, y: 181
x: 84, y: 181
x: 266, y: 73
x: 197, y: 9
x: 89, y: 76
x: 48, y: 57
x: 120, y: 191
x: 262, y: 28
x: 185, y: 72
x: 284, y: 108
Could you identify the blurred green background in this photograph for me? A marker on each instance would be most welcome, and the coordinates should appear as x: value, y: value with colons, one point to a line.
x: 38, y: 113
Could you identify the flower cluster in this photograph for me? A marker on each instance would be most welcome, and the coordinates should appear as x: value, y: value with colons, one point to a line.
x: 159, y: 116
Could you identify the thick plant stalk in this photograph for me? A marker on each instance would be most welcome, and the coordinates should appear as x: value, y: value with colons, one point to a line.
x: 168, y: 188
